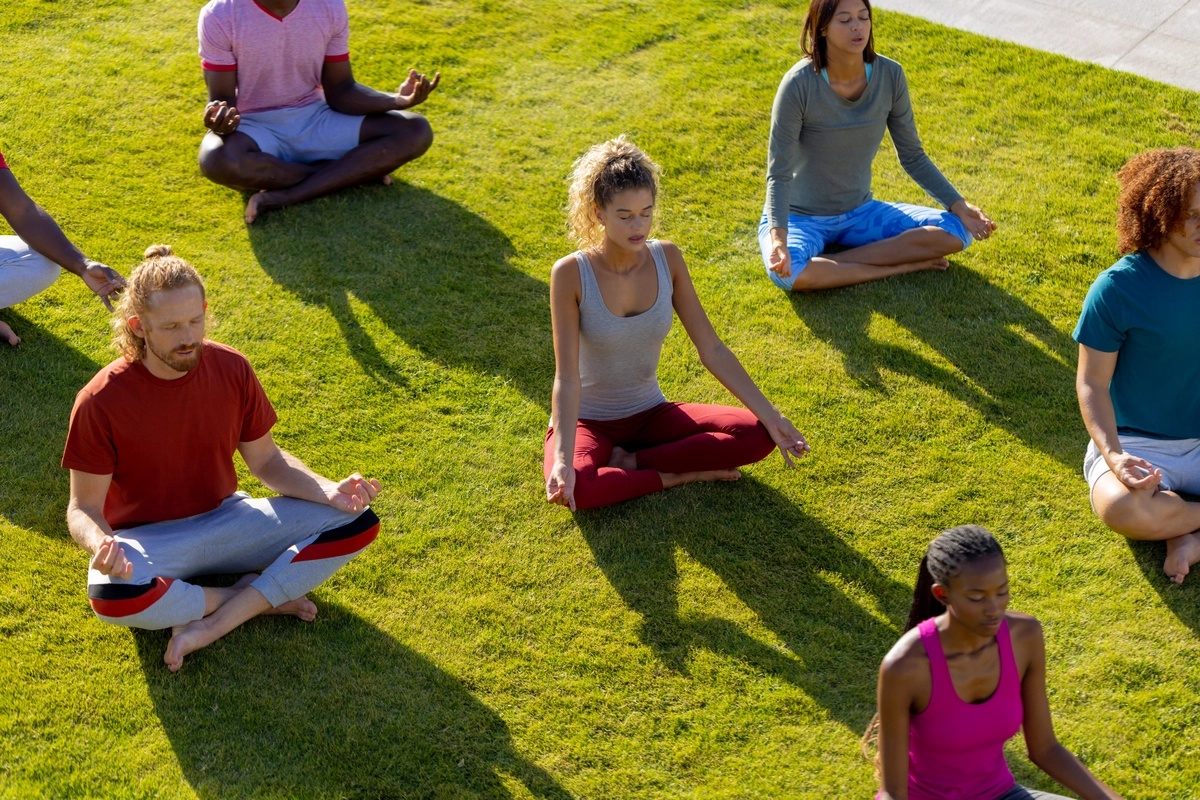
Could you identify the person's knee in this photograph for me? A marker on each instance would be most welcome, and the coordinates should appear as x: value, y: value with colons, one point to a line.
x: 131, y: 605
x: 218, y: 164
x: 945, y: 242
x: 806, y: 278
x: 410, y: 142
x: 347, y: 540
x: 759, y: 442
x: 1132, y: 513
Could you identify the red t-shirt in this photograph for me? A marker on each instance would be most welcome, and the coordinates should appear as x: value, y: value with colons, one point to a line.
x: 3, y: 165
x: 167, y: 444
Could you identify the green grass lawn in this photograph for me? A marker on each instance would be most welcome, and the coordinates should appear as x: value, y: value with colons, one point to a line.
x: 712, y: 642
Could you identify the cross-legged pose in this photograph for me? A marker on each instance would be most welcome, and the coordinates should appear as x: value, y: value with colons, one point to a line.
x: 1139, y: 361
x: 613, y: 436
x: 965, y: 676
x: 30, y: 261
x: 826, y: 125
x: 153, y: 487
x: 285, y: 115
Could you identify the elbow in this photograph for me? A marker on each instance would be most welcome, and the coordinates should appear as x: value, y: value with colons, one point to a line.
x: 1044, y: 756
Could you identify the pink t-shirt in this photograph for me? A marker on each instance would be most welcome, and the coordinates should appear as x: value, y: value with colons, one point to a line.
x: 278, y: 61
x: 3, y: 164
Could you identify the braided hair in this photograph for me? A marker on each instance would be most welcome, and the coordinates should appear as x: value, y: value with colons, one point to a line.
x: 944, y: 559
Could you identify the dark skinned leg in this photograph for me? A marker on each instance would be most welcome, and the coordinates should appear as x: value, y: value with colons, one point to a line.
x: 235, y: 161
x: 385, y: 142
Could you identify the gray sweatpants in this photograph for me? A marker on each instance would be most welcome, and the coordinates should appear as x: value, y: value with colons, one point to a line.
x: 295, y: 545
x: 24, y: 272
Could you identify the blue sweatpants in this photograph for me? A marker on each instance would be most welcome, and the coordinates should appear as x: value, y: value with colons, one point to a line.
x: 873, y: 221
x: 295, y: 545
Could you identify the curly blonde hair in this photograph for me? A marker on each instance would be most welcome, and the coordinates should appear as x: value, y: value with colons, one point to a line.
x: 1156, y: 192
x: 160, y: 270
x: 597, y: 176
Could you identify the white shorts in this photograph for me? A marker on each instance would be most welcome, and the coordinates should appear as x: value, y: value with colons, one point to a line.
x: 314, y: 132
x: 1179, y: 460
x: 23, y: 271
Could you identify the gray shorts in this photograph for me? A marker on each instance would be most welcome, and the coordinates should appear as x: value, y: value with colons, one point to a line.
x: 314, y: 132
x: 1179, y: 460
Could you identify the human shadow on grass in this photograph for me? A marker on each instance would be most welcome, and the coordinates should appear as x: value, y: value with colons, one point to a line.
x: 1008, y: 362
x: 333, y: 708
x: 1182, y: 599
x: 780, y: 562
x: 38, y: 384
x: 434, y: 272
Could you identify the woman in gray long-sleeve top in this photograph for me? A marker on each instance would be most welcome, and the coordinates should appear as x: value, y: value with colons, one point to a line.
x: 826, y: 125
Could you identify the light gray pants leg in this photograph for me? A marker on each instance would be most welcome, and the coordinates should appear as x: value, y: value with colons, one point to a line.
x: 295, y: 544
x: 24, y: 272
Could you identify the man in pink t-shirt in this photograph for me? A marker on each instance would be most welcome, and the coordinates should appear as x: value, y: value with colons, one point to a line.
x: 285, y: 116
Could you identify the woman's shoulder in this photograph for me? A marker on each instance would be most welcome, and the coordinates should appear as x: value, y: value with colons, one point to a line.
x: 887, y: 65
x: 1023, y: 628
x: 907, y: 658
x: 568, y: 263
x: 803, y: 70
x: 565, y: 272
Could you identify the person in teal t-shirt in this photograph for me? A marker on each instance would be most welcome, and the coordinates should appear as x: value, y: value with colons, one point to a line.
x: 1139, y: 361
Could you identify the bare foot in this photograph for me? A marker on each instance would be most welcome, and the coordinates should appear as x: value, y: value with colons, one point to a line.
x: 940, y: 264
x: 9, y: 335
x: 670, y: 479
x: 622, y: 459
x: 300, y: 608
x: 256, y: 206
x: 386, y: 180
x: 186, y: 639
x: 1182, y: 552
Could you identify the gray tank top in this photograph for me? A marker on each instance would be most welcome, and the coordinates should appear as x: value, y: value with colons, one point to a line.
x: 618, y: 356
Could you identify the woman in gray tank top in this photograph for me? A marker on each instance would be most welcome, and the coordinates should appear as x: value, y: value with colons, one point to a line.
x: 613, y: 436
x: 827, y: 123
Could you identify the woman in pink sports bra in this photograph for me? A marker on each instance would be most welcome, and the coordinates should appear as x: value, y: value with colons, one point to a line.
x: 963, y: 679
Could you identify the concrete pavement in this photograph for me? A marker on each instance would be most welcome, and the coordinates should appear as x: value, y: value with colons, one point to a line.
x: 1158, y: 39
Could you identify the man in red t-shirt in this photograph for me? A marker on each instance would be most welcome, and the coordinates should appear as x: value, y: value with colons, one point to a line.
x: 154, y: 491
x: 30, y: 261
x: 285, y: 116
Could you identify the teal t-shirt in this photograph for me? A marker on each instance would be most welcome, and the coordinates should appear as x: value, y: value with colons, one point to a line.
x: 1151, y: 319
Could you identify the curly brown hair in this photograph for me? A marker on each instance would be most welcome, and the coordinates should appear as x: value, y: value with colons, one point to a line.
x: 1157, y: 190
x: 160, y: 270
x: 603, y: 171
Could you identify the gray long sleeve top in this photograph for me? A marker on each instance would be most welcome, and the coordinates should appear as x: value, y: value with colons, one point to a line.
x: 821, y: 146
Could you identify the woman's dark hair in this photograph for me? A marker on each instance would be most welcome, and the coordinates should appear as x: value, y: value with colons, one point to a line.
x: 812, y: 38
x: 944, y: 559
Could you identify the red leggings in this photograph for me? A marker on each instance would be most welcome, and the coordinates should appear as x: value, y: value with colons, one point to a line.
x: 671, y: 437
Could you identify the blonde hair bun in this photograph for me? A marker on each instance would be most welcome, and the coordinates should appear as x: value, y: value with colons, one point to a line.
x: 158, y: 251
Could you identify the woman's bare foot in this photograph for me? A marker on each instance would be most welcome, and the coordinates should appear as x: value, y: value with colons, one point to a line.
x: 9, y: 335
x: 939, y: 264
x: 670, y: 479
x: 623, y: 459
x: 1182, y: 552
x: 300, y: 608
